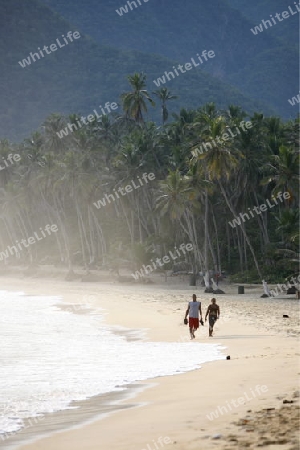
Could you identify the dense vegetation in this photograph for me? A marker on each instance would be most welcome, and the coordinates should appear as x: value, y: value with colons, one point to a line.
x: 192, y: 199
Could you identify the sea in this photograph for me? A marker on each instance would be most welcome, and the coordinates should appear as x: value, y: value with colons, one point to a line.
x: 51, y: 356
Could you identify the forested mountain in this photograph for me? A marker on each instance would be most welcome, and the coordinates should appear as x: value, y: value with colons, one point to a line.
x: 85, y: 73
x: 258, y: 11
x: 264, y: 66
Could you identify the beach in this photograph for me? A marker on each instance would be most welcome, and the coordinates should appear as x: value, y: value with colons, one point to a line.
x: 248, y: 401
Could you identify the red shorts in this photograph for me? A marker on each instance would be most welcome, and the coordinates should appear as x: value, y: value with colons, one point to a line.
x: 193, y: 323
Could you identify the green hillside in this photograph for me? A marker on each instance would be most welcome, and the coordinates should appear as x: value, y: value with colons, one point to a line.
x: 288, y: 30
x: 83, y: 75
x: 183, y: 30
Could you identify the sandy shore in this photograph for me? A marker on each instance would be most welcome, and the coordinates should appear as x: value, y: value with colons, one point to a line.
x: 263, y: 372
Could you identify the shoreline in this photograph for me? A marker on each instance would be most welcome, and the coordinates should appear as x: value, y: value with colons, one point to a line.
x: 255, y: 356
x: 87, y: 411
x: 90, y: 410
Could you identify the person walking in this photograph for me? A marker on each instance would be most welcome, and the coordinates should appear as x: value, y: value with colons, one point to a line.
x: 213, y: 313
x: 193, y: 310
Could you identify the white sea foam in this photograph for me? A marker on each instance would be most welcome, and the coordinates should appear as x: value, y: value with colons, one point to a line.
x: 50, y: 357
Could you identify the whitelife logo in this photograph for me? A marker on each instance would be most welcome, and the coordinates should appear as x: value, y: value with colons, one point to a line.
x: 161, y: 441
x: 145, y: 270
x: 259, y: 209
x: 294, y: 100
x: 124, y: 9
x: 83, y: 120
x: 236, y: 403
x: 274, y: 292
x: 219, y: 140
x: 26, y: 423
x: 267, y: 23
x: 30, y: 241
x: 188, y: 66
x: 10, y: 160
x: 124, y: 191
x: 53, y: 47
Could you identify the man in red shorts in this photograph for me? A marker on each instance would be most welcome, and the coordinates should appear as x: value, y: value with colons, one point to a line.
x: 192, y: 311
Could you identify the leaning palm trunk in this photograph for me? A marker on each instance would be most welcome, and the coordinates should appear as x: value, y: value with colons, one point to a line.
x: 49, y: 208
x: 24, y: 231
x: 219, y: 268
x: 101, y: 241
x: 60, y: 216
x: 206, y: 279
x: 262, y: 222
x: 212, y: 252
x: 81, y: 235
x: 200, y: 257
x: 193, y: 238
x: 206, y: 232
x: 240, y: 249
x: 197, y: 254
x: 242, y: 229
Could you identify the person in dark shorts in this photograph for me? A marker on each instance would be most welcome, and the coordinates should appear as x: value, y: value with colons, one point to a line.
x: 213, y: 313
x: 192, y: 311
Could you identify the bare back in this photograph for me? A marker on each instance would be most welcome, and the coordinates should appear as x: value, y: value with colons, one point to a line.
x: 213, y: 310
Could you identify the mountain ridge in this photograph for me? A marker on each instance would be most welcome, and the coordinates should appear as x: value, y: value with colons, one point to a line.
x: 77, y: 78
x: 223, y: 26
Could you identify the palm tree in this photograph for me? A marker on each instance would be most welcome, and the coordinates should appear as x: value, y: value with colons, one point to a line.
x: 209, y: 110
x: 164, y: 95
x: 235, y: 114
x: 177, y: 202
x: 200, y: 188
x: 134, y: 103
x: 5, y: 149
x: 288, y: 226
x: 284, y: 172
x: 274, y: 130
x: 255, y: 151
x: 53, y: 125
x: 222, y: 162
x: 288, y: 229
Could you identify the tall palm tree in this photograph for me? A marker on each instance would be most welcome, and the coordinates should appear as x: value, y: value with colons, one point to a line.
x: 284, y: 172
x: 53, y: 125
x: 200, y: 188
x: 235, y: 114
x: 222, y: 162
x: 134, y: 103
x: 164, y: 95
x: 177, y: 201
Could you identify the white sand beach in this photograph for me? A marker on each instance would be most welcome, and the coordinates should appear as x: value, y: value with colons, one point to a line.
x: 245, y: 393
